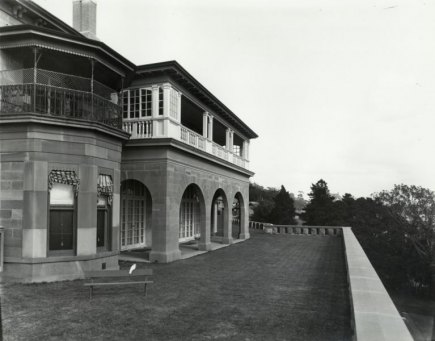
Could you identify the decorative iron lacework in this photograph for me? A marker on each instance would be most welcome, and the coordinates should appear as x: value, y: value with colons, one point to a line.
x: 66, y: 177
x: 105, y: 187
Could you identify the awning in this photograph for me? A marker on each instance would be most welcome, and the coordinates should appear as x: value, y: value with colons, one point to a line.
x: 105, y: 187
x: 67, y: 177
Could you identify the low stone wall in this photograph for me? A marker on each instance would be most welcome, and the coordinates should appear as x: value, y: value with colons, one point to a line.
x: 374, y: 315
x: 296, y: 229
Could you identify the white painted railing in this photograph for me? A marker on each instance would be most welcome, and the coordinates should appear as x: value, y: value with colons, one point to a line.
x: 139, y: 129
x: 190, y: 137
x: 373, y: 314
x: 152, y: 128
x: 219, y: 151
x: 238, y: 161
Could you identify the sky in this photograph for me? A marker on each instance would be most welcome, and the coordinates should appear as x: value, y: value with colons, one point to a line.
x: 338, y: 90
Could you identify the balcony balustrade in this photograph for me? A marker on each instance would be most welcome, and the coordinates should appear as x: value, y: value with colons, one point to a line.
x: 190, y: 137
x: 143, y: 128
x: 58, y: 95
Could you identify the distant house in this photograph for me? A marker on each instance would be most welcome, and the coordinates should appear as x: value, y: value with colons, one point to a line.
x: 99, y: 155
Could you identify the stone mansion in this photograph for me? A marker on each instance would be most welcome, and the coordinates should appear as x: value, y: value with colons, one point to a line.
x: 98, y: 155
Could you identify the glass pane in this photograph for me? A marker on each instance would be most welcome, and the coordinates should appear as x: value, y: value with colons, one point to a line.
x: 102, y: 200
x: 61, y: 194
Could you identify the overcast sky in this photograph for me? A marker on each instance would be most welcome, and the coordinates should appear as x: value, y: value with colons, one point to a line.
x: 339, y: 90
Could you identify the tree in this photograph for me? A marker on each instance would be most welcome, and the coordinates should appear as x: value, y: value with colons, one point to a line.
x: 320, y: 210
x: 262, y: 201
x: 283, y: 211
x: 414, y: 210
x: 396, y: 230
x: 300, y: 202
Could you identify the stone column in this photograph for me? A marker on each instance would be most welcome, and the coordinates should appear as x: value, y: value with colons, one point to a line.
x: 210, y: 127
x: 215, y: 217
x: 166, y: 99
x: 204, y: 243
x: 179, y: 106
x: 116, y: 210
x: 227, y: 138
x: 155, y: 101
x: 166, y: 108
x: 87, y: 211
x: 205, y: 124
x: 244, y: 218
x: 245, y: 150
x: 228, y: 225
x: 35, y: 210
x: 155, y: 109
x: 165, y: 219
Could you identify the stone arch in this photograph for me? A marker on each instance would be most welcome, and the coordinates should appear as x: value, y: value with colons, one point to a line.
x: 135, y: 215
x: 219, y: 215
x: 191, y: 213
x: 238, y: 215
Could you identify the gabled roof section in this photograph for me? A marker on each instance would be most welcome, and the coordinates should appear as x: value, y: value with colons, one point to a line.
x: 176, y: 72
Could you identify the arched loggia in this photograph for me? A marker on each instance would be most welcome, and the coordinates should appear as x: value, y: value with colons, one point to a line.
x: 238, y: 218
x: 192, y: 213
x: 136, y: 213
x: 219, y: 214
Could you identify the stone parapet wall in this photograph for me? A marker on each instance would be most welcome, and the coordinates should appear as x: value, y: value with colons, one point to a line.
x: 374, y: 315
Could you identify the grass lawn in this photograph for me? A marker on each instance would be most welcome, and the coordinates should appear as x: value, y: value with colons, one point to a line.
x: 279, y: 287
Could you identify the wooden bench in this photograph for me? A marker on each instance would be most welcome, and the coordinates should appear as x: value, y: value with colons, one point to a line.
x: 117, y: 277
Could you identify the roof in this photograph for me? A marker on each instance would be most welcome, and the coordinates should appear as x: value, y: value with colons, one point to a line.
x: 68, y: 35
x: 176, y: 72
x: 48, y: 17
x: 20, y: 34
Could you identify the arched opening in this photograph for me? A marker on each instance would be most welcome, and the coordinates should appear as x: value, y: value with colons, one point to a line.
x: 237, y: 215
x: 219, y: 211
x: 191, y: 214
x: 136, y: 211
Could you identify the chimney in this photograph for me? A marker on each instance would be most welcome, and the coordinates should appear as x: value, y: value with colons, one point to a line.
x: 85, y: 18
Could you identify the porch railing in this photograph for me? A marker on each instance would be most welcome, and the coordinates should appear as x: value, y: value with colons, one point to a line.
x: 219, y: 151
x: 194, y: 139
x: 65, y: 96
x: 139, y: 128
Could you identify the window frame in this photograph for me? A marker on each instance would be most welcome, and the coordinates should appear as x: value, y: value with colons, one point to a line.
x: 73, y: 208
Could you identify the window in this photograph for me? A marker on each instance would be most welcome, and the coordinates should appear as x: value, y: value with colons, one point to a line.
x: 125, y: 104
x: 104, y: 202
x: 146, y: 102
x: 236, y: 150
x: 63, y: 189
x: 160, y: 101
x: 136, y: 103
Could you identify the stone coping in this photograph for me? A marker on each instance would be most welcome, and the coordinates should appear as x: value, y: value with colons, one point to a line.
x: 57, y: 259
x: 374, y: 315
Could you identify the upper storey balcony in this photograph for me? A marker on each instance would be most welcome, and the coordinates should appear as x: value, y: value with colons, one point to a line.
x: 180, y: 108
x: 59, y: 77
x: 59, y: 95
